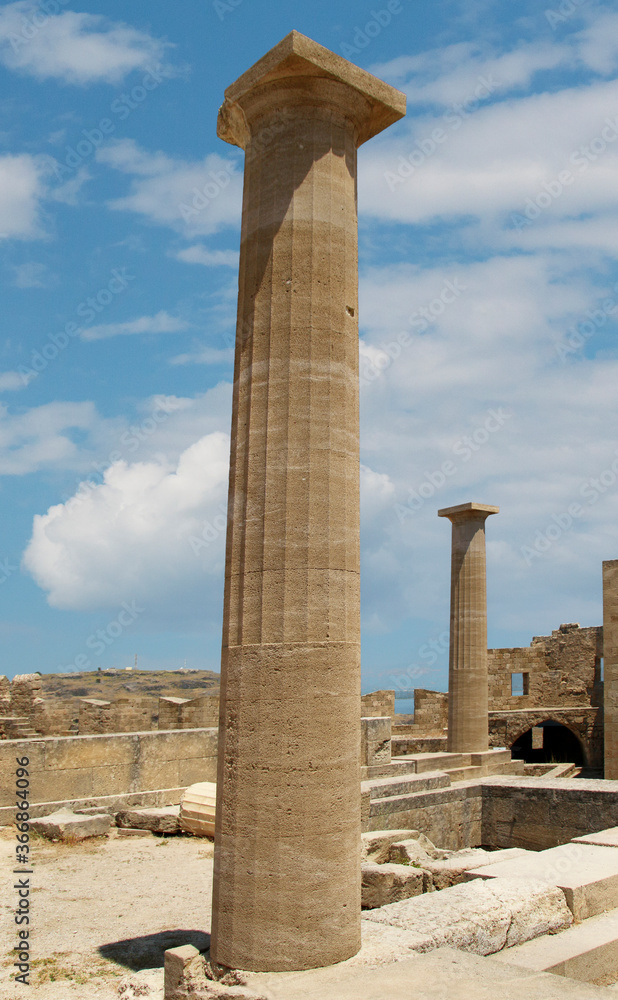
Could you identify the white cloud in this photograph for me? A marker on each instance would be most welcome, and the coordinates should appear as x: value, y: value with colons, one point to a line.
x: 139, y: 535
x: 162, y: 322
x: 21, y: 190
x: 199, y: 254
x: 205, y: 356
x: 196, y: 198
x: 10, y: 381
x: 31, y: 275
x: 41, y: 437
x: 74, y: 47
x: 452, y: 75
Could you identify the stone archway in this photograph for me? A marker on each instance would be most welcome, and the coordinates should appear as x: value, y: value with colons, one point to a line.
x: 554, y: 743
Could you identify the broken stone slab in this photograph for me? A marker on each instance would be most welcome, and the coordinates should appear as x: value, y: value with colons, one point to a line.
x: 454, y: 869
x: 388, y: 883
x: 65, y: 824
x: 470, y: 918
x: 376, y: 845
x: 415, y: 851
x: 158, y: 819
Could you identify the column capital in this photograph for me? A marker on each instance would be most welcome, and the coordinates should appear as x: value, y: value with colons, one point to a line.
x: 372, y: 104
x: 468, y: 511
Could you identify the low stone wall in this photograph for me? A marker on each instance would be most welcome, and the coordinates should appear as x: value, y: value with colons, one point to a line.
x: 450, y: 817
x: 537, y: 813
x: 91, y: 769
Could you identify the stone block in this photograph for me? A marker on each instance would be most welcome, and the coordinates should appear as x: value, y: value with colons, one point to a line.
x: 158, y: 773
x: 197, y: 769
x: 130, y: 832
x: 176, y: 962
x: 376, y: 845
x: 160, y: 820
x: 65, y: 824
x: 604, y: 838
x: 375, y: 741
x: 389, y: 883
x: 113, y: 780
x: 587, y: 874
x: 470, y: 918
x: 587, y: 951
x: 54, y: 786
x: 66, y: 752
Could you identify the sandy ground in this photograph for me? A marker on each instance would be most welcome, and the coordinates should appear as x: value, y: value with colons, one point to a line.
x: 103, y: 912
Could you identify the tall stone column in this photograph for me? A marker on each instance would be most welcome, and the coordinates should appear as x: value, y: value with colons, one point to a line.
x: 467, y: 675
x: 610, y: 667
x: 287, y: 871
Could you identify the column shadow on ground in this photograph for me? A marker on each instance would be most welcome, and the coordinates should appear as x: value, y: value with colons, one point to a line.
x: 147, y: 952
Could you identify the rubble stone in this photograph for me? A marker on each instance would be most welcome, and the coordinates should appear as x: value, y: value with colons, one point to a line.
x: 164, y: 819
x: 388, y: 883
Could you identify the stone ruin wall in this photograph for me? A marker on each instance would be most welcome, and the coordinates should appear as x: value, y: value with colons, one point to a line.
x: 23, y: 714
x: 378, y: 704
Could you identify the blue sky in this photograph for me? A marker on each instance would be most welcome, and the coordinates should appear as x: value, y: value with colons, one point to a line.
x: 488, y: 241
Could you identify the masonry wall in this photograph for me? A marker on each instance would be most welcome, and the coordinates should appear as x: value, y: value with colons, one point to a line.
x: 450, y: 817
x: 378, y: 703
x: 90, y: 768
x: 610, y: 629
x: 430, y: 710
x: 563, y: 670
x: 124, y: 715
x: 537, y: 813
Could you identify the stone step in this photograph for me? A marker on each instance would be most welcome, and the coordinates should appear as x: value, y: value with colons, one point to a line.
x: 443, y: 973
x: 586, y: 873
x: 397, y: 765
x: 405, y: 786
x: 440, y: 761
x: 586, y: 951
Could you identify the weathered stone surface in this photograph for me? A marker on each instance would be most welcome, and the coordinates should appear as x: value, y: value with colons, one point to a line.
x: 160, y: 820
x: 188, y: 977
x: 470, y: 918
x: 376, y: 844
x: 388, y: 883
x: 65, y: 823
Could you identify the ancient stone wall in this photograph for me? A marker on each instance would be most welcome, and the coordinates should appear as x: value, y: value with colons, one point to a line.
x: 189, y: 713
x: 5, y: 696
x: 430, y: 710
x: 86, y: 769
x: 560, y: 670
x: 124, y: 715
x: 378, y: 703
x: 24, y: 689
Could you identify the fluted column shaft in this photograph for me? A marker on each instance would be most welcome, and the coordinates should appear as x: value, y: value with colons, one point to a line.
x: 468, y: 682
x: 286, y: 881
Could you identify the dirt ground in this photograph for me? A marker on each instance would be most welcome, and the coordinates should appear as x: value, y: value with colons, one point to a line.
x: 103, y: 911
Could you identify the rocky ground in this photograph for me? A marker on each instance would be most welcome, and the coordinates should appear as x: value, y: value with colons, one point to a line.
x: 103, y: 913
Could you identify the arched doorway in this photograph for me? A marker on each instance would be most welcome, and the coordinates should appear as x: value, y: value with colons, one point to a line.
x: 548, y: 742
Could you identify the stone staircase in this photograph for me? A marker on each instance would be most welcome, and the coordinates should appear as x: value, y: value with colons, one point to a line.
x: 16, y: 727
x: 586, y: 869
